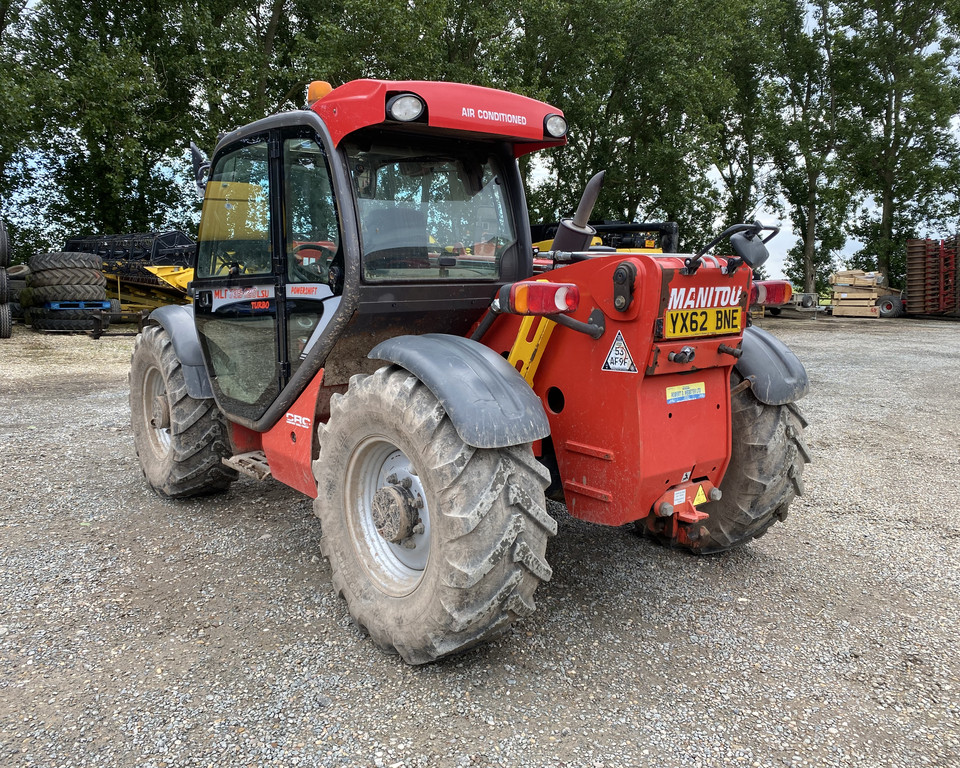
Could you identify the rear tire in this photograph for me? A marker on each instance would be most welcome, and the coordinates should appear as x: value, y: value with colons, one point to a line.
x: 180, y: 441
x: 471, y: 570
x: 764, y: 476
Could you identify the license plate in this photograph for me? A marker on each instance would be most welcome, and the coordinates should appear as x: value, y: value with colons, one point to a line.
x: 683, y: 323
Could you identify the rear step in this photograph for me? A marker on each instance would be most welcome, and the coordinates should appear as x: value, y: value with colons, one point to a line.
x: 253, y: 464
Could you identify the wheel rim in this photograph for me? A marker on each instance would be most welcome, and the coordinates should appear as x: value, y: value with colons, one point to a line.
x: 155, y: 389
x: 376, y: 463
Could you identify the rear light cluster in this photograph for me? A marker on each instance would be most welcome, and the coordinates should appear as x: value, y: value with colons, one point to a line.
x: 771, y: 293
x: 539, y: 298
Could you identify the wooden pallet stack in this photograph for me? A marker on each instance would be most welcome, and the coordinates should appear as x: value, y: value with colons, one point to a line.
x: 855, y: 293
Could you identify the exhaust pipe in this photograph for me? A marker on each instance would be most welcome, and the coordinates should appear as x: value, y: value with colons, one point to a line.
x: 575, y: 234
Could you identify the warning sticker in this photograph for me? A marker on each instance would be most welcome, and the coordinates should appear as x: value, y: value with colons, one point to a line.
x: 700, y: 498
x: 685, y: 392
x: 679, y: 496
x: 619, y: 357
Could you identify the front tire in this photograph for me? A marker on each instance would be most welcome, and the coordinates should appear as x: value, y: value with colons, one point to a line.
x: 436, y: 546
x: 179, y: 440
x: 764, y: 476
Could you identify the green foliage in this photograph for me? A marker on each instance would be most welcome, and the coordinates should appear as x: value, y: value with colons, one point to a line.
x: 836, y: 112
x: 899, y: 94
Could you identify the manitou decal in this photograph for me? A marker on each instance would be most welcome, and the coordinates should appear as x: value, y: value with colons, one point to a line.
x: 703, y: 298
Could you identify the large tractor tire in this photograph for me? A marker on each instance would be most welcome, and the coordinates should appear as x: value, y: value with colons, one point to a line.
x: 47, y: 293
x: 764, y: 476
x: 436, y: 546
x: 4, y: 285
x: 66, y: 276
x: 64, y: 260
x: 181, y: 441
x: 6, y: 321
x: 14, y: 287
x: 43, y: 319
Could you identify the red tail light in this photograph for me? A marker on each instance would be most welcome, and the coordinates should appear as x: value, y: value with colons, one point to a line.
x: 539, y: 298
x: 770, y: 293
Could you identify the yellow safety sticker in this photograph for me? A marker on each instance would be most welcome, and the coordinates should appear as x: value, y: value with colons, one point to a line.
x: 700, y: 498
x: 684, y: 392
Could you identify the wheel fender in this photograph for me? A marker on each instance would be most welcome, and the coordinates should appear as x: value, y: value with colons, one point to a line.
x: 177, y: 321
x: 777, y: 376
x: 488, y: 401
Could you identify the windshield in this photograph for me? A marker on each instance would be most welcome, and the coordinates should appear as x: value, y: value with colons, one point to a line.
x: 430, y: 214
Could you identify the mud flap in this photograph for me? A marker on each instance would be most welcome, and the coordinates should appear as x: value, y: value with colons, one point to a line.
x: 489, y: 403
x: 177, y: 321
x: 776, y: 375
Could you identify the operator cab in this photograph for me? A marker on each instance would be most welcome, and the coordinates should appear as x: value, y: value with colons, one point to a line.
x: 326, y: 230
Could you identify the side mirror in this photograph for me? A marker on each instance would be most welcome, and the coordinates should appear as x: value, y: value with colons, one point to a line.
x: 201, y: 168
x: 750, y: 248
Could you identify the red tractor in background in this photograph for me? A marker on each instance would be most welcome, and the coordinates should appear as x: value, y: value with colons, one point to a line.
x: 368, y: 328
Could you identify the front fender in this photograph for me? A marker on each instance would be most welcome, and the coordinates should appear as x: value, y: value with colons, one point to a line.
x: 777, y: 376
x: 177, y: 321
x: 489, y: 403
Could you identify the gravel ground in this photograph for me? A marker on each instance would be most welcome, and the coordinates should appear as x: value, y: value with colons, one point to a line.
x: 142, y: 632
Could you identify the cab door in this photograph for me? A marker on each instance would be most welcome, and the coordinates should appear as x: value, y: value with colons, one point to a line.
x: 267, y: 266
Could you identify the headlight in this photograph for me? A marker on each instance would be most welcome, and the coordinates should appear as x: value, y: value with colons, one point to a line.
x: 556, y: 126
x: 405, y: 107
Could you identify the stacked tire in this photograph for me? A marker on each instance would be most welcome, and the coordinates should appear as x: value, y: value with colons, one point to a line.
x: 65, y: 277
x: 6, y: 311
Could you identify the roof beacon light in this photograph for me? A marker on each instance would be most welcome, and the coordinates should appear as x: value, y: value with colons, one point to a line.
x: 317, y: 90
x: 556, y: 126
x: 405, y: 108
x: 540, y: 298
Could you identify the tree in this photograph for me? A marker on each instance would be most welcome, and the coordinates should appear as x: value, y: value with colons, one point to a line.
x: 802, y: 137
x: 898, y: 93
x: 638, y: 111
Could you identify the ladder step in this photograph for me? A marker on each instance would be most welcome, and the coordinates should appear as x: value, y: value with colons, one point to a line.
x: 253, y: 464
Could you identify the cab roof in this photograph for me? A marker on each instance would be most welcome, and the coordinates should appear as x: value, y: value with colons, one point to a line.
x: 451, y: 108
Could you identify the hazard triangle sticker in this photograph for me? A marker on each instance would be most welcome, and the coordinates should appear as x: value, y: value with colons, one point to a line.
x: 619, y: 357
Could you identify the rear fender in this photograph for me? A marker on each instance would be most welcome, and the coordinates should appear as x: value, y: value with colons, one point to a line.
x: 776, y: 374
x: 177, y: 321
x: 489, y: 403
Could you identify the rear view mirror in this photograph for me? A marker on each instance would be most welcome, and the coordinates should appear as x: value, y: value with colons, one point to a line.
x: 201, y: 168
x: 750, y: 248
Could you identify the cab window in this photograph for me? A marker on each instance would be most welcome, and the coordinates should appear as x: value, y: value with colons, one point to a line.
x: 433, y: 213
x: 234, y: 236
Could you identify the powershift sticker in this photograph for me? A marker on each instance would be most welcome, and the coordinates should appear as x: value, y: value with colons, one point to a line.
x: 619, y: 357
x: 686, y: 392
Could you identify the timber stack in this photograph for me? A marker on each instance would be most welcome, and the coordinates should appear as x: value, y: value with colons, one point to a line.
x: 855, y: 293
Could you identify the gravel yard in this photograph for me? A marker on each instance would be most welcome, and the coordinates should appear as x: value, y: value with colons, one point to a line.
x: 141, y: 632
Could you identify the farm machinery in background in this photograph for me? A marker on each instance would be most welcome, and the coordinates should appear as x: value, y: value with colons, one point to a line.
x: 99, y: 279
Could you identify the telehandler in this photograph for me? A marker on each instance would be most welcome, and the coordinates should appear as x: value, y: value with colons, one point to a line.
x: 368, y: 328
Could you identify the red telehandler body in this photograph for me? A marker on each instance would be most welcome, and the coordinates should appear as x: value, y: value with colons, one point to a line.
x: 368, y: 328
